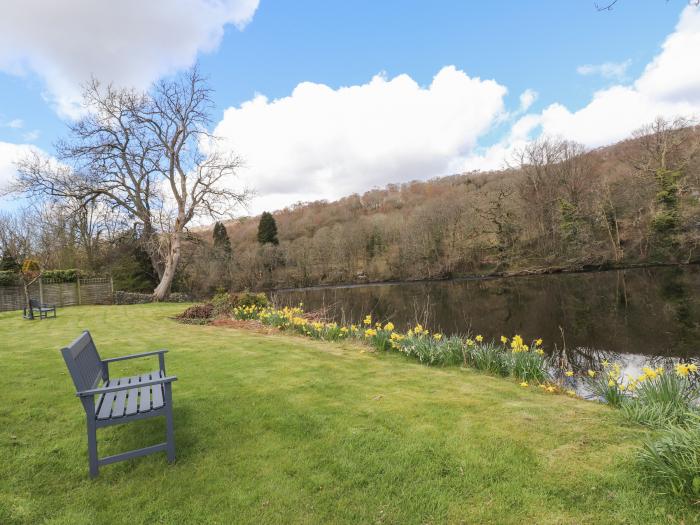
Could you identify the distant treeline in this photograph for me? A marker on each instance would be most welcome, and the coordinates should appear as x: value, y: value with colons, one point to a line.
x: 559, y: 206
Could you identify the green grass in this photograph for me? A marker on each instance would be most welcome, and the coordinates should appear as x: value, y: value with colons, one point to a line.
x: 282, y: 429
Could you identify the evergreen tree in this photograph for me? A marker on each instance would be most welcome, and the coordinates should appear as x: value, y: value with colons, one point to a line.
x: 9, y: 263
x: 222, y: 243
x: 267, y: 229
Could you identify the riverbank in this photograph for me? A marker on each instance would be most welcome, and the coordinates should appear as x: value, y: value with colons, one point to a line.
x: 528, y: 272
x: 274, y: 428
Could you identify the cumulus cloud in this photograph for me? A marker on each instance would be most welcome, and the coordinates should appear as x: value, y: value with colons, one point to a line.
x: 527, y: 98
x: 131, y: 42
x: 321, y: 142
x: 614, y: 70
x: 9, y: 154
x: 669, y: 86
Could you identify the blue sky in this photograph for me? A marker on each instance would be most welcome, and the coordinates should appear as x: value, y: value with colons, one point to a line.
x: 273, y: 47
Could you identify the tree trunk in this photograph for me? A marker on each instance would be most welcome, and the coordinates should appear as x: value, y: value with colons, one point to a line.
x: 163, y: 289
x: 149, y: 242
x: 28, y: 309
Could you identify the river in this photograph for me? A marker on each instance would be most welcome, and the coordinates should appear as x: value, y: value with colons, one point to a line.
x: 631, y: 316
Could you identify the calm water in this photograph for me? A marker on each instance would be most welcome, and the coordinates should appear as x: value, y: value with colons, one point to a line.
x: 631, y: 316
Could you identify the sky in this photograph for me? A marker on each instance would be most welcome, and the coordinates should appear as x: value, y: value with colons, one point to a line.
x: 326, y: 98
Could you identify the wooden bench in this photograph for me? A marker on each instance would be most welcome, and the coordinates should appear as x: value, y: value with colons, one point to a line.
x: 44, y: 309
x: 113, y: 401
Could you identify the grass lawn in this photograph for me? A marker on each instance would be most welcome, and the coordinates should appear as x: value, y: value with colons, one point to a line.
x: 280, y: 429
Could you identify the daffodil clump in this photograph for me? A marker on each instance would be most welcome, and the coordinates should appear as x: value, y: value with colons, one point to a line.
x: 656, y: 397
x: 248, y: 312
x: 507, y: 357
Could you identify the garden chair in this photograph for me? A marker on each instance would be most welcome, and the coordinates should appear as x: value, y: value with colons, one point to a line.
x: 120, y: 400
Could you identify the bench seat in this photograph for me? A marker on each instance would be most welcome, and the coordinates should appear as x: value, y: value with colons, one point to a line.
x: 137, y: 400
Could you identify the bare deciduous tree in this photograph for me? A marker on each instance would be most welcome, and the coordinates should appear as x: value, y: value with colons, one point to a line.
x: 148, y: 154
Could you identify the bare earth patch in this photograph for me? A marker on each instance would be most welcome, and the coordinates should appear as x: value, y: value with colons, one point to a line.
x: 252, y: 325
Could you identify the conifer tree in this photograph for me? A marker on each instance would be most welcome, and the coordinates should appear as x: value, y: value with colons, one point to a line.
x: 267, y: 229
x: 222, y: 243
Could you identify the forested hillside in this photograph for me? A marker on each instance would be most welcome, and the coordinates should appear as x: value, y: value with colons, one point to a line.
x: 557, y: 207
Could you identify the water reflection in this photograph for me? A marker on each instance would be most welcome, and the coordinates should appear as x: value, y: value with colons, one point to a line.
x: 632, y: 316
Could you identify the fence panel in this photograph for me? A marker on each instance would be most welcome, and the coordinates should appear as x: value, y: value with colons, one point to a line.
x: 90, y: 290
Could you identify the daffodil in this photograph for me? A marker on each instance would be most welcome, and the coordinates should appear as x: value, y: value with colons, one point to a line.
x: 368, y: 320
x: 682, y: 369
x: 538, y: 342
x: 479, y: 338
x: 524, y: 384
x: 591, y: 373
x: 437, y: 337
x: 389, y: 326
x: 504, y: 339
x: 569, y: 373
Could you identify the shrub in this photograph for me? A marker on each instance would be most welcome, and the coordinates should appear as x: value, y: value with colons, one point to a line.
x: 223, y: 303
x: 63, y: 276
x: 9, y: 278
x: 671, y: 461
x: 197, y: 312
x: 245, y: 299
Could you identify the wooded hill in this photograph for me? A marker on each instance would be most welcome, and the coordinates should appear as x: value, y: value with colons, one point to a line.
x: 558, y: 207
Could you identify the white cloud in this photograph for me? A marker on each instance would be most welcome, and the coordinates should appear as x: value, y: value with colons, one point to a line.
x: 321, y: 142
x: 130, y: 42
x: 614, y: 70
x: 31, y: 136
x: 9, y: 154
x: 14, y: 123
x: 527, y: 98
x: 669, y: 86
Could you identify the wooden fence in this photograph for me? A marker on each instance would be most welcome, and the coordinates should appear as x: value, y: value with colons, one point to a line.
x: 86, y: 290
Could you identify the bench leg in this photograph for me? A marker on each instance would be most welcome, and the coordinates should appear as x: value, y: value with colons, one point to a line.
x: 92, y: 447
x: 169, y: 426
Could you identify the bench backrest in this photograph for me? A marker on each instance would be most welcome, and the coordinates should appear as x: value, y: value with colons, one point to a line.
x: 83, y: 362
x: 34, y: 303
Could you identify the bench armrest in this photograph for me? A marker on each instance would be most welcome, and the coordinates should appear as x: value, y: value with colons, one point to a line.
x: 108, y: 389
x: 134, y: 356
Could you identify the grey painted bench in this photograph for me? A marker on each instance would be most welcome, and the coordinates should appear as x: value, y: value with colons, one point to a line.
x: 44, y: 309
x: 114, y: 401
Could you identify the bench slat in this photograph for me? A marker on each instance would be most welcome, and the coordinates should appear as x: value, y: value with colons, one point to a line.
x: 106, y: 406
x: 132, y: 404
x: 120, y: 398
x: 100, y: 398
x: 157, y: 391
x: 145, y: 404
